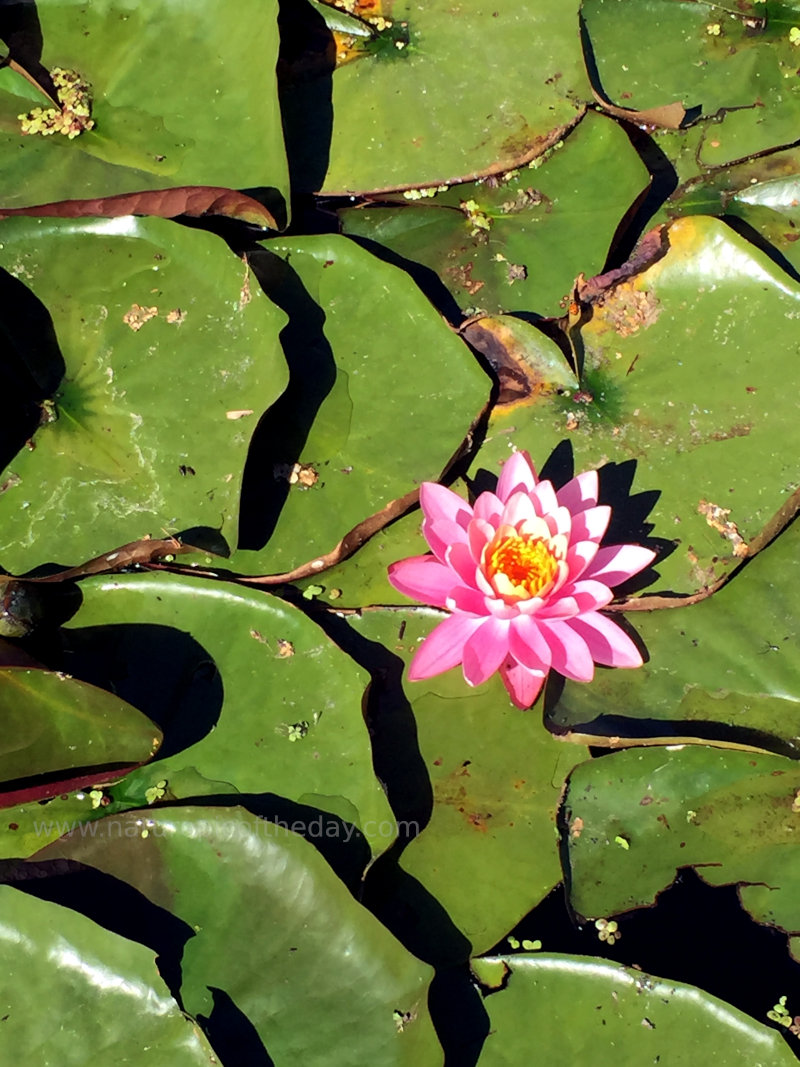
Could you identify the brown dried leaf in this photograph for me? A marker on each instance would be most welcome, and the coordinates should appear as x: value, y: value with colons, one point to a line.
x: 666, y: 117
x: 135, y: 552
x: 523, y: 373
x: 193, y: 200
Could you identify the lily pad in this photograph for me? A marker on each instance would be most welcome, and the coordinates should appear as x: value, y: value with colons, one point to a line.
x: 496, y: 776
x: 381, y: 396
x: 726, y: 668
x: 144, y: 63
x: 519, y: 241
x: 737, y: 65
x: 268, y: 702
x: 102, y: 992
x: 428, y: 119
x: 27, y: 827
x: 732, y: 815
x: 683, y: 372
x: 168, y: 367
x: 577, y: 1009
x: 314, y: 972
x: 62, y: 728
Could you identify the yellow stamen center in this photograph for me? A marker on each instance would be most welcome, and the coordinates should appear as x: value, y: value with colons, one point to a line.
x: 519, y: 566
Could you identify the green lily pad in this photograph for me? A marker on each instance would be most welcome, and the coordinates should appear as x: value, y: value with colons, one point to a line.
x: 152, y: 130
x: 103, y: 993
x: 417, y: 115
x: 726, y: 668
x: 772, y: 208
x: 280, y: 702
x: 738, y: 65
x: 519, y: 243
x: 577, y: 1009
x: 496, y: 775
x: 733, y: 815
x: 25, y: 828
x: 168, y: 367
x: 55, y: 725
x: 760, y: 191
x: 314, y: 972
x: 362, y: 579
x: 381, y: 396
x: 684, y: 372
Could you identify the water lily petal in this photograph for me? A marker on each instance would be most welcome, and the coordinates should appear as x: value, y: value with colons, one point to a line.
x: 479, y: 533
x: 562, y: 607
x: 532, y: 606
x: 571, y: 655
x: 590, y: 525
x: 423, y: 578
x: 443, y: 648
x: 539, y: 527
x: 463, y: 599
x: 559, y: 520
x: 579, y: 557
x: 527, y: 644
x: 517, y: 473
x: 617, y: 563
x: 523, y: 684
x: 580, y: 597
x: 545, y: 495
x: 494, y: 606
x: 437, y: 502
x: 520, y: 636
x: 441, y: 533
x: 580, y: 493
x: 459, y: 557
x: 483, y: 583
x: 489, y: 507
x: 485, y: 650
x: 519, y: 507
x: 607, y: 642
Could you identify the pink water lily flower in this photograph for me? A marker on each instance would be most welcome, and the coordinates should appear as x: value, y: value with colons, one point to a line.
x: 524, y: 578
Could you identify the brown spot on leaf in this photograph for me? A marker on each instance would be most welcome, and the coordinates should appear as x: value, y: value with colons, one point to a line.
x: 628, y: 309
x: 478, y: 820
x: 717, y: 518
x: 138, y: 316
x: 463, y: 277
x: 740, y: 429
x: 525, y: 372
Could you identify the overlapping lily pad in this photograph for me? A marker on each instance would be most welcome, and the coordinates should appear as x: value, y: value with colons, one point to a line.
x: 266, y: 702
x: 101, y: 991
x: 417, y: 114
x: 61, y: 728
x: 582, y: 1010
x: 634, y: 818
x: 27, y: 827
x: 736, y: 65
x: 726, y: 668
x: 488, y: 853
x: 169, y: 358
x: 153, y: 128
x: 518, y: 243
x: 683, y: 372
x: 381, y: 396
x: 313, y: 971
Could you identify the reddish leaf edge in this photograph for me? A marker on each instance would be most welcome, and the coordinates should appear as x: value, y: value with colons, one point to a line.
x: 192, y: 200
